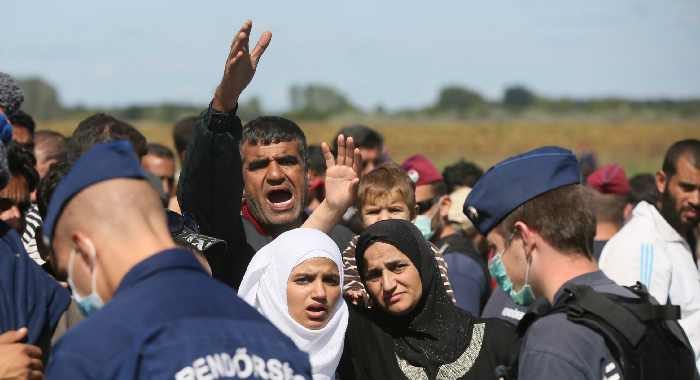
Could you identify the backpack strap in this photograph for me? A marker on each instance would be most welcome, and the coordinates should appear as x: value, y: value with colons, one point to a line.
x: 509, y: 371
x: 581, y: 299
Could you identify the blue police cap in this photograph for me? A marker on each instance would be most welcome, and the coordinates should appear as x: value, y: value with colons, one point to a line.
x: 101, y: 163
x: 516, y: 180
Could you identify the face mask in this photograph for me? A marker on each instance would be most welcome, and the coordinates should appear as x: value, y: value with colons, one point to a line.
x: 91, y: 302
x: 424, y: 224
x: 523, y: 297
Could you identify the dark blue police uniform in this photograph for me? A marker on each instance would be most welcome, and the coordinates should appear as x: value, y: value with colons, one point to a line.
x: 556, y: 348
x: 29, y: 297
x: 558, y: 345
x: 167, y: 319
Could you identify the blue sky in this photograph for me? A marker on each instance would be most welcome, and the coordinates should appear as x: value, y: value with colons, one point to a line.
x: 397, y: 54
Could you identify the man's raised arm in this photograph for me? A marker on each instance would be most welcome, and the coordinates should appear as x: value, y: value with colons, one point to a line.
x: 211, y: 182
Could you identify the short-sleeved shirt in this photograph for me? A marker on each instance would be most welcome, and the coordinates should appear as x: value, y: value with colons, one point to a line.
x: 169, y: 320
x: 556, y: 348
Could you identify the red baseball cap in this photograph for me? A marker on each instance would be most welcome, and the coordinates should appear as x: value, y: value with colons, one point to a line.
x: 421, y: 170
x: 609, y: 179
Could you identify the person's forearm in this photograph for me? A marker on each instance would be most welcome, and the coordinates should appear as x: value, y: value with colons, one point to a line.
x: 324, y: 218
x: 211, y: 182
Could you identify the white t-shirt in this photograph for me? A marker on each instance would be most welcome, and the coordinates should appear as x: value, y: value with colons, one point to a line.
x: 647, y: 249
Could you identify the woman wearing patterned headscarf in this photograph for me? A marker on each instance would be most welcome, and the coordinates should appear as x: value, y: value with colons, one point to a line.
x: 414, y: 330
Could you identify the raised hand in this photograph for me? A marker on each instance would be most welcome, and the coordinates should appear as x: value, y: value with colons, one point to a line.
x: 342, y: 174
x: 19, y: 360
x: 240, y: 67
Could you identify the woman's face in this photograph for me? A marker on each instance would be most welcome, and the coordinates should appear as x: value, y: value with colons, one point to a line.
x: 391, y: 279
x: 313, y: 289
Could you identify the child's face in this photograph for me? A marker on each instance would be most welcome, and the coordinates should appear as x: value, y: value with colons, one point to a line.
x: 383, y: 208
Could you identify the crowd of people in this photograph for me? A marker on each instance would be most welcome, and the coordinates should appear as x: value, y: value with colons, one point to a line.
x: 265, y: 257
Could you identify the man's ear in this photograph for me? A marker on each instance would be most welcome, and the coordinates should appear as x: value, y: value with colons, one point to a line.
x: 445, y: 204
x: 661, y: 181
x: 85, y: 248
x: 527, y: 235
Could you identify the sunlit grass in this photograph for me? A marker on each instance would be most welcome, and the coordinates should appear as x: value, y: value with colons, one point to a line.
x: 638, y: 145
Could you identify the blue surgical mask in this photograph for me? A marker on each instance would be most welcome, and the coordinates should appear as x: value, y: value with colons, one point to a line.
x: 425, y: 226
x: 523, y: 297
x: 90, y: 303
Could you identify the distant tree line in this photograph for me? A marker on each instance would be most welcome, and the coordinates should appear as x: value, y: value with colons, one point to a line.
x: 319, y: 101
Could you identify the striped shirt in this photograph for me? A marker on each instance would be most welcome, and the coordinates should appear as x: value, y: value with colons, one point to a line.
x: 32, y: 221
x: 352, y: 281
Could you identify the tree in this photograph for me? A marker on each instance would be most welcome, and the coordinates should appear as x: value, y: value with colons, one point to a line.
x: 458, y: 99
x: 518, y: 97
x: 40, y: 99
x: 318, y: 101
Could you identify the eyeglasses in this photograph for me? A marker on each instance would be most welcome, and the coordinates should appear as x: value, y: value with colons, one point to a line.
x: 424, y: 206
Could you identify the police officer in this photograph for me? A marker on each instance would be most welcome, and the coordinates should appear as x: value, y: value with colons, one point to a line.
x: 152, y: 311
x: 535, y: 214
x: 31, y: 301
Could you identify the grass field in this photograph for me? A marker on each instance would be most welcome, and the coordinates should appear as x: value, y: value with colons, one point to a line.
x: 638, y: 145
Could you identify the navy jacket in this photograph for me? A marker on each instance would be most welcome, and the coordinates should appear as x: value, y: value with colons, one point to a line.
x: 29, y: 297
x: 169, y: 320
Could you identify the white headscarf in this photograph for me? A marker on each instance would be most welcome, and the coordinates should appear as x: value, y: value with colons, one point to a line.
x: 264, y: 286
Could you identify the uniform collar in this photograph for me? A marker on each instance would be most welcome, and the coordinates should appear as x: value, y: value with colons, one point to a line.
x: 667, y: 233
x: 164, y: 260
x: 589, y: 279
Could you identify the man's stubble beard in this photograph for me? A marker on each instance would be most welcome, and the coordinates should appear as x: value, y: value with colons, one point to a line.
x: 256, y: 211
x: 670, y: 214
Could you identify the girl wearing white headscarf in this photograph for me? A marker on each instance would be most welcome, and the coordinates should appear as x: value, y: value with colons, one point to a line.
x: 265, y: 283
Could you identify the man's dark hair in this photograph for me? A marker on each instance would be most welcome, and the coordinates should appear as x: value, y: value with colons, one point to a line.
x: 22, y: 163
x: 563, y: 217
x: 21, y: 118
x: 316, y: 162
x: 643, y: 188
x: 52, y: 142
x: 689, y: 147
x: 48, y: 185
x: 266, y: 130
x: 102, y: 128
x: 362, y: 135
x: 160, y: 150
x: 461, y: 173
x: 439, y: 188
x: 182, y: 134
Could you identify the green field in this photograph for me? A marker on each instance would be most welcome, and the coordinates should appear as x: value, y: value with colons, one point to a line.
x: 638, y: 145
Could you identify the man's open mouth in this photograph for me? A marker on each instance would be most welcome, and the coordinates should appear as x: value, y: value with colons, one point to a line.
x: 280, y: 199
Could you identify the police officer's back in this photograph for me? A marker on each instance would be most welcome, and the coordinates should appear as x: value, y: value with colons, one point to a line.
x: 153, y: 310
x: 534, y: 212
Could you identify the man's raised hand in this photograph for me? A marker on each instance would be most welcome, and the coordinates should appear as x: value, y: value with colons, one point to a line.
x: 240, y: 67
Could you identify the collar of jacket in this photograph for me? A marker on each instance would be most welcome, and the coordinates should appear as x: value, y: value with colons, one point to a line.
x: 666, y: 232
x: 247, y: 215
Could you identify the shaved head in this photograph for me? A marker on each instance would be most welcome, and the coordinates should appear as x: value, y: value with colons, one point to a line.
x: 122, y: 218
